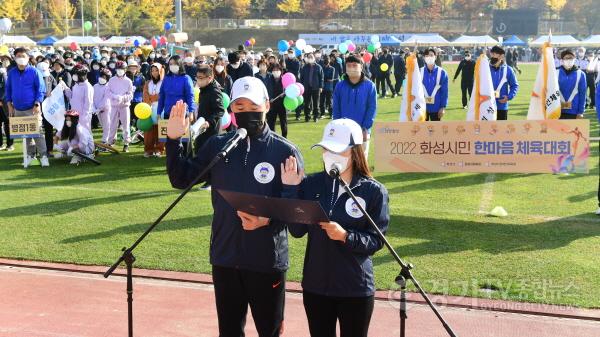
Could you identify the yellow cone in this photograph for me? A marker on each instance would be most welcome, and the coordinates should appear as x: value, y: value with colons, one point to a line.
x: 499, y: 211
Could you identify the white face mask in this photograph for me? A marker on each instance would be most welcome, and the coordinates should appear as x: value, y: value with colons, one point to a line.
x: 188, y: 60
x: 120, y: 72
x: 174, y: 68
x: 22, y: 61
x: 68, y: 123
x: 219, y: 68
x: 95, y: 67
x: 235, y: 65
x: 111, y: 66
x: 291, y: 56
x: 152, y: 55
x: 430, y: 60
x: 568, y: 63
x: 277, y: 74
x: 102, y: 80
x: 468, y: 58
x: 330, y: 158
x: 75, y: 78
x: 310, y: 60
x: 69, y: 67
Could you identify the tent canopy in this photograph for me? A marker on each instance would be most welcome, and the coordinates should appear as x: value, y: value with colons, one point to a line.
x: 592, y: 41
x: 123, y: 41
x: 514, y: 41
x: 473, y: 41
x: 17, y: 41
x: 557, y: 41
x: 47, y: 41
x: 392, y: 41
x: 430, y: 40
x: 83, y: 41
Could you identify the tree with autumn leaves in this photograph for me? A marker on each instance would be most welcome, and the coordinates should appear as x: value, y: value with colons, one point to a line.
x: 319, y: 10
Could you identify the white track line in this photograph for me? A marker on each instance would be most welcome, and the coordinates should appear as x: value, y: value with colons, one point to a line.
x: 487, y: 194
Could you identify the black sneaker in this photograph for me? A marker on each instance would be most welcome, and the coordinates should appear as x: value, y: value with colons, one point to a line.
x: 126, y: 148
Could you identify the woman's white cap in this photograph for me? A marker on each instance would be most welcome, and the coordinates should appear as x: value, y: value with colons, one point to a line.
x: 341, y: 134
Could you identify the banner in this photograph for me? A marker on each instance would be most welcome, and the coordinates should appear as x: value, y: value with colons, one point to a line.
x: 482, y: 105
x: 162, y: 131
x: 54, y: 109
x: 359, y: 39
x: 545, y: 97
x: 24, y: 127
x: 521, y: 146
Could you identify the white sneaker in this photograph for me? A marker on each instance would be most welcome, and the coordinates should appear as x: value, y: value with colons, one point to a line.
x: 58, y: 155
x: 44, y: 161
x: 598, y: 211
x: 26, y: 161
x: 74, y: 160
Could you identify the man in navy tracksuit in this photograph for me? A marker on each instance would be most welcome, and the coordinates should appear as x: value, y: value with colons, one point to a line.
x: 504, y: 81
x: 572, y: 84
x: 249, y: 254
x: 311, y: 76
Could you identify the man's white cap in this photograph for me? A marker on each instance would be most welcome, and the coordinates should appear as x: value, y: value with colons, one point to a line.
x: 132, y: 63
x: 251, y: 88
x: 341, y: 134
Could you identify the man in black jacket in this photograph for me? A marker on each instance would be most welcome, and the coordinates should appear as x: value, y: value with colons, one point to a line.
x: 383, y: 77
x: 238, y: 68
x: 210, y: 107
x: 399, y: 71
x: 467, y: 66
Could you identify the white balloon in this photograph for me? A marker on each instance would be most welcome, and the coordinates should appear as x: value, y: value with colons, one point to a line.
x: 5, y: 25
x: 197, y: 44
x: 309, y: 49
x: 300, y: 44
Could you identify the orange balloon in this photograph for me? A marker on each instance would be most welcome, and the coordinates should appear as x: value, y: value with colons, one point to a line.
x: 252, y: 41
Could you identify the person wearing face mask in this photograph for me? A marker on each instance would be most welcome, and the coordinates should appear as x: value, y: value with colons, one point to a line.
x: 467, y: 67
x: 5, y: 66
x: 573, y: 86
x: 61, y: 74
x: 24, y: 93
x: 102, y: 104
x: 50, y: 83
x: 152, y: 145
x: 190, y: 68
x: 249, y: 254
x: 504, y: 81
x: 399, y: 71
x: 133, y: 70
x: 265, y: 76
x: 221, y: 75
x: 112, y: 64
x: 73, y: 137
x: 277, y: 109
x: 591, y: 73
x: 94, y: 73
x: 338, y: 283
x: 327, y: 94
x: 120, y: 93
x: 87, y: 57
x: 81, y: 96
x: 292, y: 65
x: 356, y: 98
x: 311, y: 77
x: 210, y: 106
x: 435, y: 83
x: 383, y: 78
x: 237, y: 68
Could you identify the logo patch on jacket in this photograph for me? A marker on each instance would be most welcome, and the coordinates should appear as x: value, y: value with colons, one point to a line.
x: 264, y: 173
x: 353, y: 210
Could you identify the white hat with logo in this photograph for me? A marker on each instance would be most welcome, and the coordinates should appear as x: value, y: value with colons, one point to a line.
x: 251, y: 88
x: 340, y: 135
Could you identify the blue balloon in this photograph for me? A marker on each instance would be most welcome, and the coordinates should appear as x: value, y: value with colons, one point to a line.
x: 298, y: 52
x: 136, y: 43
x: 292, y: 91
x: 168, y: 25
x: 283, y: 46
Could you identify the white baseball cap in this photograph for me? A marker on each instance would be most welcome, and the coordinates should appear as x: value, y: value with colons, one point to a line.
x: 251, y: 88
x: 341, y: 134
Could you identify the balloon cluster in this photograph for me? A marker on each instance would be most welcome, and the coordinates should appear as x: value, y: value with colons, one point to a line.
x: 293, y: 92
x: 374, y: 45
x: 346, y: 46
x: 250, y: 42
x: 147, y: 116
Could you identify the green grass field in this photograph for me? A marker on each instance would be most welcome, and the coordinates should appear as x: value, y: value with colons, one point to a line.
x: 547, y: 250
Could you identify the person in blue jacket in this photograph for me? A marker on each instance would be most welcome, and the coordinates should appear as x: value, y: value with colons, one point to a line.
x: 435, y: 83
x: 249, y: 254
x: 176, y: 86
x: 504, y: 81
x: 572, y: 84
x: 338, y: 282
x: 356, y: 98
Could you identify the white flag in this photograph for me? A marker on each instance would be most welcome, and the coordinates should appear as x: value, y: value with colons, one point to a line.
x: 545, y: 98
x: 54, y: 109
x: 482, y: 106
x: 413, y: 106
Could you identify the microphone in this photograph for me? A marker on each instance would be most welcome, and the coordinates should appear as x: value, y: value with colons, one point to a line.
x: 196, y: 127
x: 334, y: 170
x: 240, y: 134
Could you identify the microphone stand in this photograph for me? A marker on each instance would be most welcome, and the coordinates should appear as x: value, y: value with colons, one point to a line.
x: 405, y: 273
x: 128, y: 256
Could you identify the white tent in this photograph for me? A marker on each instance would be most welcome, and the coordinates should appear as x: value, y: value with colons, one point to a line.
x: 122, y: 41
x: 82, y: 41
x: 592, y: 41
x: 17, y: 41
x: 557, y: 41
x: 430, y: 40
x: 474, y: 41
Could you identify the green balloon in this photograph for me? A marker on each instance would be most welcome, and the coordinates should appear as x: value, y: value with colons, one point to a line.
x: 87, y: 25
x: 226, y: 100
x: 145, y: 124
x: 290, y: 103
x: 371, y: 48
x: 300, y: 100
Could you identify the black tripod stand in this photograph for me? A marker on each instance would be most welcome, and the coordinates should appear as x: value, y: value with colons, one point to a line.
x: 127, y: 255
x: 405, y: 273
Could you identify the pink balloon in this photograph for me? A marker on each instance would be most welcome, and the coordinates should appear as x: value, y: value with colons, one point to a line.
x: 351, y: 47
x: 301, y: 88
x: 287, y: 79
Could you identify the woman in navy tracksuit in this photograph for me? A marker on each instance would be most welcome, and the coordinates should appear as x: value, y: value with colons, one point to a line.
x: 338, y: 280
